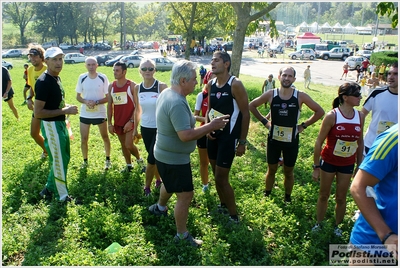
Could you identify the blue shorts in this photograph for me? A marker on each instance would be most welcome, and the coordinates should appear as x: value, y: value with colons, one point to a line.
x: 222, y: 150
x: 329, y: 168
x: 176, y: 178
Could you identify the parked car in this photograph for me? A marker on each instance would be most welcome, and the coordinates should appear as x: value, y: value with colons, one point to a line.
x: 368, y: 46
x: 276, y: 49
x: 102, y: 46
x: 304, y: 53
x: 113, y: 60
x: 131, y: 61
x: 7, y: 64
x: 355, y: 62
x: 228, y: 46
x: 12, y: 53
x: 74, y: 58
x: 163, y: 64
x: 364, y: 53
x: 47, y: 45
x: 66, y: 46
x: 85, y: 45
x: 337, y: 53
x: 101, y: 59
x: 135, y: 52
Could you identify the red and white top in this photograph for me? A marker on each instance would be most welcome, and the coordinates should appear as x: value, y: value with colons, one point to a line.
x: 341, y: 142
x: 123, y: 103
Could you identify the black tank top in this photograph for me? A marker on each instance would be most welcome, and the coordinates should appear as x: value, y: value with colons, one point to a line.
x: 222, y: 100
x: 284, y: 118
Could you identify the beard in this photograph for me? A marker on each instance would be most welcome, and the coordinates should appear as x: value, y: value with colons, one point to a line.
x: 286, y: 84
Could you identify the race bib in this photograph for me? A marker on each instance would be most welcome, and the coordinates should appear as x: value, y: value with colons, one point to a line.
x: 120, y: 98
x: 283, y: 134
x: 383, y: 125
x: 345, y: 148
x: 92, y: 110
x: 214, y: 114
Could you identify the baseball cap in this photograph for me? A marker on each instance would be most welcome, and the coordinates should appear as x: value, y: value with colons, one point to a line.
x: 34, y: 52
x: 52, y: 52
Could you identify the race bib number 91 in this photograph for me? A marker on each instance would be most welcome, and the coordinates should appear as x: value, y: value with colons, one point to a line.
x: 345, y: 148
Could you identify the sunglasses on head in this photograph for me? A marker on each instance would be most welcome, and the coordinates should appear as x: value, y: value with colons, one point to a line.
x: 33, y: 52
x: 144, y: 69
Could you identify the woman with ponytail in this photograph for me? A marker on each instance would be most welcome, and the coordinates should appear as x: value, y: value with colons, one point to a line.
x: 342, y: 128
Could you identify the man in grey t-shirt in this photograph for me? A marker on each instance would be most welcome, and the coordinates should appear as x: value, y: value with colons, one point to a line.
x: 175, y: 140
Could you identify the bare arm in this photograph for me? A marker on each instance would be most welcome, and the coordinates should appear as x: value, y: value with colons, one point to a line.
x: 40, y: 112
x: 197, y: 133
x: 264, y: 98
x: 368, y: 206
x: 360, y: 144
x: 262, y: 88
x: 138, y: 109
x: 110, y: 107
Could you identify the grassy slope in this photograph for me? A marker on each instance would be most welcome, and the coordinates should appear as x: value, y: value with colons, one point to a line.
x: 115, y: 210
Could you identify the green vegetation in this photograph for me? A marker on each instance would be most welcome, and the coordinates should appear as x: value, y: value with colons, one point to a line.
x: 115, y: 210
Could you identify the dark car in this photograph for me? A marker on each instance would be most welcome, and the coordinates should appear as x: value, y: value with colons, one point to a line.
x: 228, y: 46
x: 101, y: 59
x: 113, y: 60
x: 101, y: 46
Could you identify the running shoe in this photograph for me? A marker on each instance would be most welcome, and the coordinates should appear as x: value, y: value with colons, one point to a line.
x: 158, y: 183
x: 107, y: 165
x: 147, y: 191
x: 189, y: 239
x: 155, y: 211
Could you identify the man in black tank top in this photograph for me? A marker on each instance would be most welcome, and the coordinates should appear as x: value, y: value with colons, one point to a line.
x: 285, y: 104
x: 227, y: 95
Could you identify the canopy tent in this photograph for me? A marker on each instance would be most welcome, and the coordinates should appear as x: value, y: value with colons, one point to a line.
x: 337, y: 28
x: 302, y: 27
x: 313, y: 27
x: 325, y: 28
x: 349, y: 29
x: 307, y: 38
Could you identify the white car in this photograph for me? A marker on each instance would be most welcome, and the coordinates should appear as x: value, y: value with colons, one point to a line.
x: 364, y: 53
x: 304, y: 53
x: 7, y: 64
x: 355, y: 62
x: 74, y: 58
x: 12, y: 53
x: 163, y: 64
x: 131, y: 61
x: 66, y: 46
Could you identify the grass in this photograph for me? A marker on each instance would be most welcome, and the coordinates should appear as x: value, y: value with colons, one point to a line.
x: 114, y: 208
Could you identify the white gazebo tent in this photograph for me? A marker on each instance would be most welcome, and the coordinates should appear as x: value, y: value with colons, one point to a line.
x: 313, y: 27
x: 301, y: 28
x: 337, y: 28
x: 325, y: 28
x: 349, y: 29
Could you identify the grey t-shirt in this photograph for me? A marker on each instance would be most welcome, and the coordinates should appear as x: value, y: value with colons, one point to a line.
x: 173, y: 114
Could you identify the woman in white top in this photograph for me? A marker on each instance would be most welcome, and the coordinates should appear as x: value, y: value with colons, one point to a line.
x: 146, y: 95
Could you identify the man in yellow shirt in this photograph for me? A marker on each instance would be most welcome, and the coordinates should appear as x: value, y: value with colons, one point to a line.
x: 36, y: 56
x: 382, y: 69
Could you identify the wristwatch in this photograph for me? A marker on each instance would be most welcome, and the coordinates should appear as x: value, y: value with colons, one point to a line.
x: 97, y: 102
x: 315, y: 166
x: 131, y: 120
x: 242, y: 142
x: 303, y: 125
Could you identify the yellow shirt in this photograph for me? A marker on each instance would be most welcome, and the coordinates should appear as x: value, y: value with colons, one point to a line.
x: 382, y: 69
x: 34, y: 75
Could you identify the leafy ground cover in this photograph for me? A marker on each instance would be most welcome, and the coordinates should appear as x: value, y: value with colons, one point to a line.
x: 114, y: 209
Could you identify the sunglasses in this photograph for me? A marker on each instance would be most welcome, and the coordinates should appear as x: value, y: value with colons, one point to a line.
x: 355, y: 94
x: 144, y: 69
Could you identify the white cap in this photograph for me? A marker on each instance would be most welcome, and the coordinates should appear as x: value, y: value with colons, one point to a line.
x: 52, y: 52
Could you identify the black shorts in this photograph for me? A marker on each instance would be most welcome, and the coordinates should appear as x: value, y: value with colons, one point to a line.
x: 92, y: 121
x: 202, y: 142
x: 222, y: 150
x: 176, y: 178
x: 333, y: 169
x: 149, y: 139
x: 274, y: 151
x: 10, y: 95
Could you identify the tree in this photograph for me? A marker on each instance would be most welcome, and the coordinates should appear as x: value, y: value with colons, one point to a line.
x: 21, y: 14
x: 246, y: 12
x: 387, y: 9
